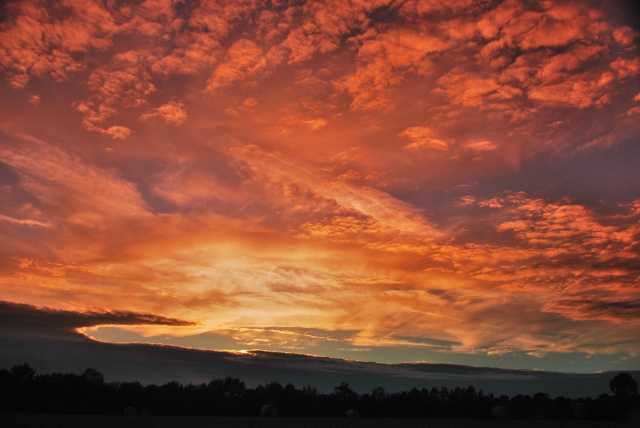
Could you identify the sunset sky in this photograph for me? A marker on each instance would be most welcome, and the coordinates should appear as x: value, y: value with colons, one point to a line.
x: 392, y: 181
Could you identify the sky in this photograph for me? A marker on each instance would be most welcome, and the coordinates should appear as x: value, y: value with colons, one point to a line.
x: 392, y: 181
x: 52, y: 341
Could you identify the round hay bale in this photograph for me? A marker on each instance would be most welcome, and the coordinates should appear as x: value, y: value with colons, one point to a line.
x: 145, y: 412
x: 500, y: 413
x: 130, y: 411
x: 577, y: 409
x: 352, y: 413
x: 268, y: 411
x: 634, y: 416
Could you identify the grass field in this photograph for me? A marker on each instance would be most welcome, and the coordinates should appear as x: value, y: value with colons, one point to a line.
x: 75, y: 421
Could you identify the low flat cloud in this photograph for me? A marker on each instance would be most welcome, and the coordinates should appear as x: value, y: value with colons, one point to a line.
x: 42, y: 319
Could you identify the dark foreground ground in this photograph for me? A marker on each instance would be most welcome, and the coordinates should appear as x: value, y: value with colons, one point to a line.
x: 75, y: 421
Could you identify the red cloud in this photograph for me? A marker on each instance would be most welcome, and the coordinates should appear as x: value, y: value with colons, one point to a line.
x: 40, y: 41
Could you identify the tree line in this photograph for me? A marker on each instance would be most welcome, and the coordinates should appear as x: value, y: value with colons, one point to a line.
x: 24, y: 391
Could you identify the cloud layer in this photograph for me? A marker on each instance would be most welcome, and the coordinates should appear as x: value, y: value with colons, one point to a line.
x: 456, y: 172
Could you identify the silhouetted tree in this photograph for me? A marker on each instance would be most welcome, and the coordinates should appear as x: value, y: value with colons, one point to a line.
x: 93, y: 376
x: 623, y: 386
x: 22, y: 390
x: 25, y: 372
x: 625, y: 394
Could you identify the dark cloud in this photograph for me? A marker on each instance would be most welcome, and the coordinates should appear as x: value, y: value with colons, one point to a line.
x: 583, y: 309
x: 16, y: 318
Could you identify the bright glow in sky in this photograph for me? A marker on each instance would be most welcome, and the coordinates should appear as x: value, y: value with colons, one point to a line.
x: 417, y: 180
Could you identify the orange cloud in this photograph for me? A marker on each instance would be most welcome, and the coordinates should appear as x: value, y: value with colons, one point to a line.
x: 624, y: 35
x: 383, y: 60
x: 172, y: 112
x: 492, y: 203
x: 26, y: 222
x: 481, y: 146
x: 466, y: 201
x: 626, y: 67
x: 39, y: 41
x: 422, y: 137
x: 244, y: 61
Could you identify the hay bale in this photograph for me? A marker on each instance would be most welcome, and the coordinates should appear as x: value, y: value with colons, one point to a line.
x: 130, y: 411
x: 145, y: 412
x: 578, y: 409
x: 500, y: 413
x: 634, y: 416
x: 268, y: 411
x: 352, y: 414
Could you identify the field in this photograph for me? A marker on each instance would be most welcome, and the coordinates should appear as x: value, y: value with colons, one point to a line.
x: 75, y: 421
